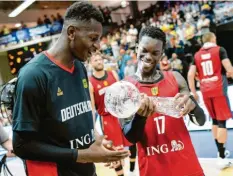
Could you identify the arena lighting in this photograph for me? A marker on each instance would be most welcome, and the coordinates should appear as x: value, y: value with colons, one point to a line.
x: 17, y: 25
x: 21, y: 8
x: 123, y: 3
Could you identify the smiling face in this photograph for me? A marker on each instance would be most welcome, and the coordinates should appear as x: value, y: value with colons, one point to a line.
x: 84, y: 39
x: 149, y: 53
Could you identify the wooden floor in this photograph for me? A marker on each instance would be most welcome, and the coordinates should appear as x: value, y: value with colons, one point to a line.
x: 209, y: 166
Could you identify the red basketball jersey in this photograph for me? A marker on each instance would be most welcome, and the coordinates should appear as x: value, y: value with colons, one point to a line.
x: 99, y: 86
x: 209, y: 68
x: 166, y: 148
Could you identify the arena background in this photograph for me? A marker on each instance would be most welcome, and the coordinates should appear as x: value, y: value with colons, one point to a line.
x: 24, y: 36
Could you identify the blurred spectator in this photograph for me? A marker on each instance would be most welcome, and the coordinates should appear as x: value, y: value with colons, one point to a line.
x: 130, y: 68
x: 179, y: 45
x: 176, y: 63
x: 5, y: 30
x: 60, y: 19
x: 123, y: 58
x: 23, y: 25
x: 46, y: 20
x: 39, y: 22
x: 203, y: 24
x: 54, y: 19
x: 189, y: 31
x: 164, y: 64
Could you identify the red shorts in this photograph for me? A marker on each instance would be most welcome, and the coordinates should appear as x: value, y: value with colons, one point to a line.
x: 218, y: 107
x: 113, y: 131
x: 37, y: 168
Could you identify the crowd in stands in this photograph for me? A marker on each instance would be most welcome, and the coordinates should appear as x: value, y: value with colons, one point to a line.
x: 183, y: 22
x: 4, y: 30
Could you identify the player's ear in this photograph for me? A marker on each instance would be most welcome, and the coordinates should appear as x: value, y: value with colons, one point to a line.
x: 71, y: 32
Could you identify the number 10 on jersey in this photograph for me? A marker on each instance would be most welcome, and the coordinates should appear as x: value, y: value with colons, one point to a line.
x: 160, y: 124
x: 207, y: 67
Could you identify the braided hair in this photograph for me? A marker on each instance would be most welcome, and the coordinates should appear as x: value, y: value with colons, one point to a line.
x: 153, y: 32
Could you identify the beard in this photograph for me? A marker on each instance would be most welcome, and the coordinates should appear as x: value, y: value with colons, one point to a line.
x: 97, y: 69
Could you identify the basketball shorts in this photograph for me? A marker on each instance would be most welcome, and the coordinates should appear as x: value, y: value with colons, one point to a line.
x: 37, y: 168
x: 112, y: 129
x: 218, y: 107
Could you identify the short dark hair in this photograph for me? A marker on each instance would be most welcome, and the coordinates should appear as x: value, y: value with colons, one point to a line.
x: 154, y: 33
x: 83, y: 11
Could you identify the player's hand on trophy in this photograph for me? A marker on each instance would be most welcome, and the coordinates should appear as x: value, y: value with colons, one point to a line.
x: 147, y: 107
x: 185, y: 103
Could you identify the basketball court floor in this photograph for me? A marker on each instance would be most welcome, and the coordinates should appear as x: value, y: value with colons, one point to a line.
x: 202, y: 141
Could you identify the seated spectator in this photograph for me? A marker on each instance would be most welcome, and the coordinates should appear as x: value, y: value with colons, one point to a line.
x: 203, y: 24
x: 39, y: 22
x: 130, y: 68
x: 176, y: 63
x: 189, y: 31
x: 47, y: 20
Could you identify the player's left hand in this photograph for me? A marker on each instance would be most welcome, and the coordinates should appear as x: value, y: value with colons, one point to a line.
x: 109, y: 145
x: 185, y: 102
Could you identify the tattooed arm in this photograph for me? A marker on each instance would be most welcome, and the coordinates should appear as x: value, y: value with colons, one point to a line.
x: 196, y: 113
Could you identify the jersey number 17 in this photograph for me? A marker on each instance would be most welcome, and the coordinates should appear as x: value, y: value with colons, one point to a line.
x: 160, y: 124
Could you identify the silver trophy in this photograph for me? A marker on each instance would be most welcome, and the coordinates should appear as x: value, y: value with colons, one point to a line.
x: 122, y: 100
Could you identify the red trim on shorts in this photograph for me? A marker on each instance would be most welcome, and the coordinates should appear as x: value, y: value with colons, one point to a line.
x: 70, y: 70
x: 37, y: 168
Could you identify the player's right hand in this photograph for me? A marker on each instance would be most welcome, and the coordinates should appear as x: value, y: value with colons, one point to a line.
x: 147, y: 107
x: 98, y: 153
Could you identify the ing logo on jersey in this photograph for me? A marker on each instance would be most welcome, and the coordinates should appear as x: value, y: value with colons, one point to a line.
x: 155, y: 91
x: 105, y: 83
x: 85, y: 85
x: 98, y: 86
x: 59, y: 92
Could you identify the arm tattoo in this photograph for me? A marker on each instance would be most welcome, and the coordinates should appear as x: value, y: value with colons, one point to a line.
x: 183, y: 86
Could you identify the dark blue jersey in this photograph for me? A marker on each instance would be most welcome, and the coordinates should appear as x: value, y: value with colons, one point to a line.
x: 55, y: 103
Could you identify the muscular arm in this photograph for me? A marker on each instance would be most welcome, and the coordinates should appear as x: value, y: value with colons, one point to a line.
x: 197, y: 115
x: 183, y: 87
x: 191, y: 78
x: 228, y: 67
x: 226, y: 62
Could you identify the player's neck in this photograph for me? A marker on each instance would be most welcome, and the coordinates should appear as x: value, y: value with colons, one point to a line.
x: 149, y: 78
x: 62, y: 54
x: 99, y: 74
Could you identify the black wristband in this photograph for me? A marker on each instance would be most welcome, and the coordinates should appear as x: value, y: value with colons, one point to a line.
x: 193, y: 99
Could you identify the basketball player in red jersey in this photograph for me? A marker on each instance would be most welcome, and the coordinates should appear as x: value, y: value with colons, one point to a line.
x: 163, y: 142
x: 99, y: 81
x: 211, y: 63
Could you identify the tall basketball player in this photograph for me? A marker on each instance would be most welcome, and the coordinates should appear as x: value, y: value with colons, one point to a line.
x: 53, y: 128
x: 163, y: 142
x: 99, y: 81
x: 211, y: 63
